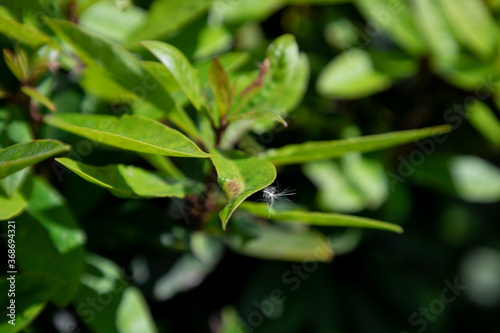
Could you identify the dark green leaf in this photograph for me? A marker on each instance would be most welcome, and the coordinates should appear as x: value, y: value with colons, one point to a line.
x: 32, y: 292
x: 105, y: 18
x: 119, y: 307
x: 49, y: 241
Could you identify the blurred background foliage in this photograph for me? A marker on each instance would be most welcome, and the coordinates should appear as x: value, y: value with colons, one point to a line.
x: 376, y: 66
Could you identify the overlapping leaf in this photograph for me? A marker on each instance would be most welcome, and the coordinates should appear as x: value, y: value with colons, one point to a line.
x: 135, y: 133
x: 25, y: 154
x: 240, y: 176
x: 123, y: 68
x: 128, y: 181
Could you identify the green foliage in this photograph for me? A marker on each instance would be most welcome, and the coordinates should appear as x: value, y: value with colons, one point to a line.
x: 166, y: 112
x: 25, y: 154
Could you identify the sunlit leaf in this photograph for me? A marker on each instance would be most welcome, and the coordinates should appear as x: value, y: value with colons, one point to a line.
x: 240, y: 176
x: 39, y: 97
x: 351, y: 75
x: 105, y: 18
x: 24, y: 34
x: 123, y: 68
x: 317, y: 218
x: 466, y: 19
x: 321, y: 150
x: 240, y: 11
x: 134, y: 133
x: 485, y: 121
x: 180, y: 68
x: 395, y: 18
x: 436, y: 31
x: 11, y: 206
x: 133, y: 314
x: 166, y: 17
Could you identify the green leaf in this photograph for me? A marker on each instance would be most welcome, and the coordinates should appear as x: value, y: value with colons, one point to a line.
x: 277, y: 73
x: 206, y: 253
x: 133, y: 314
x: 25, y: 154
x: 11, y: 206
x: 134, y: 133
x: 321, y: 150
x: 395, y: 18
x: 128, y: 181
x: 166, y: 17
x: 436, y: 31
x: 475, y: 179
x: 32, y: 293
x: 231, y: 322
x: 267, y: 241
x: 174, y: 281
x: 49, y: 241
x: 473, y: 25
x: 13, y: 182
x: 293, y: 90
x: 165, y: 78
x: 470, y: 178
x: 212, y: 40
x: 351, y: 75
x: 105, y: 18
x: 39, y: 97
x: 221, y: 87
x: 394, y: 64
x: 317, y: 218
x: 360, y: 183
x: 231, y: 12
x: 119, y: 307
x: 24, y: 34
x: 18, y: 63
x: 180, y: 68
x: 123, y: 68
x: 240, y: 176
x: 164, y: 165
x: 485, y: 121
